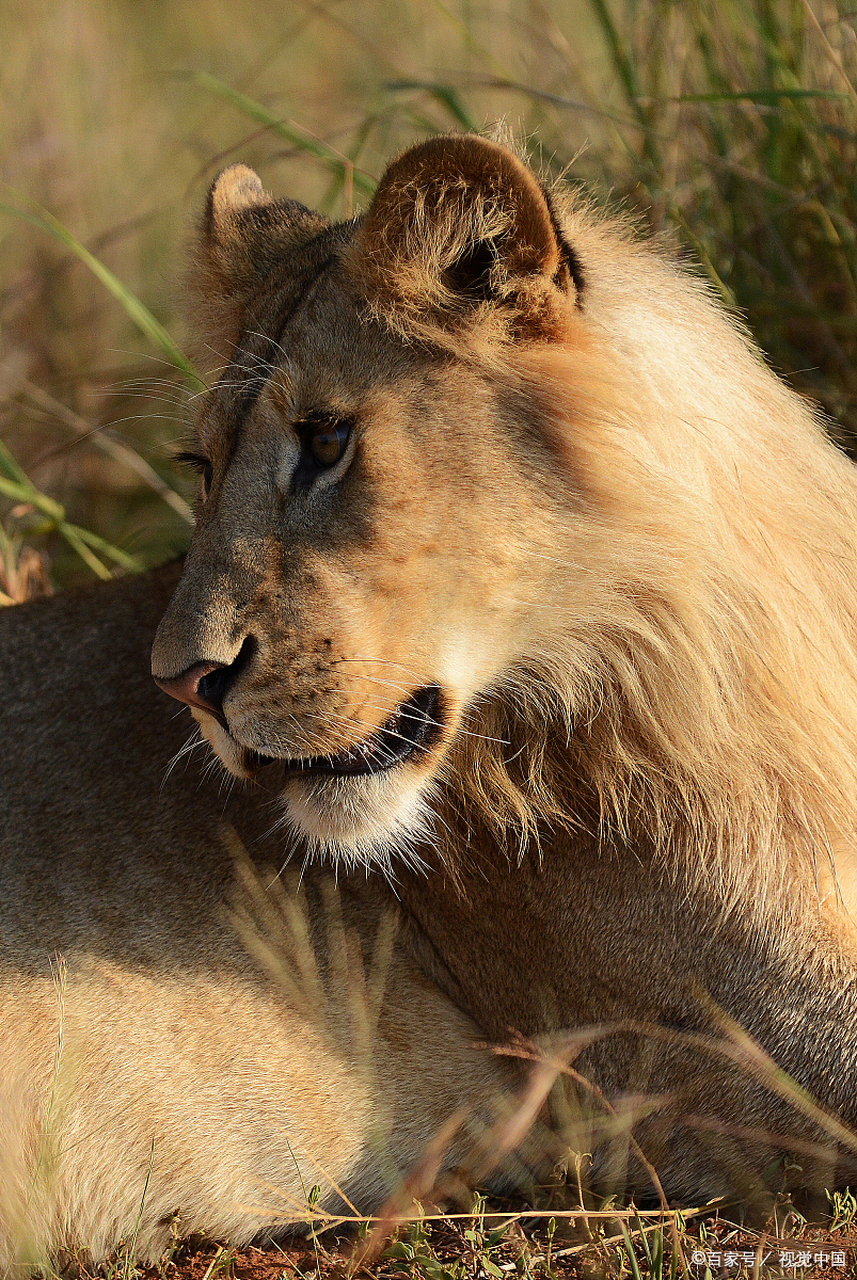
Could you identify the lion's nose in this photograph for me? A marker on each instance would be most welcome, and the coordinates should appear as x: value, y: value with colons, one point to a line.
x: 203, y: 685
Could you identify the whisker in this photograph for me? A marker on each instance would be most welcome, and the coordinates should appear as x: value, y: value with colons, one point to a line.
x: 436, y: 724
x: 141, y: 417
x: 332, y: 718
x: 145, y: 355
x: 254, y: 333
x: 195, y: 740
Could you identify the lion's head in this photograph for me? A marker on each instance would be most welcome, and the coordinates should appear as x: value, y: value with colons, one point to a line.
x: 376, y: 506
x: 489, y: 525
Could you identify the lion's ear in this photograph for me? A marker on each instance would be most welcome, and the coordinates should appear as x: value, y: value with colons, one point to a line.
x: 245, y: 236
x: 233, y: 193
x: 458, y: 221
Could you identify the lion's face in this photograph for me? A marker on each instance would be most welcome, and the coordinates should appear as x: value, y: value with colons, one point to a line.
x: 375, y: 508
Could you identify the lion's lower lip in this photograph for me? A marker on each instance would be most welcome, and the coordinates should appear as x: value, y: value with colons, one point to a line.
x: 411, y: 727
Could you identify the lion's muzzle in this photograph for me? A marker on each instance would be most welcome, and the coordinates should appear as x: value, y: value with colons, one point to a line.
x: 414, y: 726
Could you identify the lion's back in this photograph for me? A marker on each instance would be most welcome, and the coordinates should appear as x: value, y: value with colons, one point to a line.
x: 82, y: 725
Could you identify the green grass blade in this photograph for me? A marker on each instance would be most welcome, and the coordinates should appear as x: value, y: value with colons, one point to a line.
x: 261, y: 115
x: 15, y: 484
x: 629, y: 1250
x: 23, y: 493
x: 70, y: 533
x: 10, y: 469
x: 644, y: 1240
x: 137, y: 312
x: 766, y: 97
x: 444, y: 94
x: 620, y: 59
x: 97, y: 543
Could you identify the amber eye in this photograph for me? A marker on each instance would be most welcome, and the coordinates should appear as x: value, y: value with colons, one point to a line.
x: 328, y: 442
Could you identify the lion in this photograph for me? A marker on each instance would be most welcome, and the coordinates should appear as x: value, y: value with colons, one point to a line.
x: 520, y: 613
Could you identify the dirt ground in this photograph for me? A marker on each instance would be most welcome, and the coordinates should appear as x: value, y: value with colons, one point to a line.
x: 516, y: 1242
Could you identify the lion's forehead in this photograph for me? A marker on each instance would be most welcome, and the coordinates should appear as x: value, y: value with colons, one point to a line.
x: 333, y: 342
x: 326, y: 355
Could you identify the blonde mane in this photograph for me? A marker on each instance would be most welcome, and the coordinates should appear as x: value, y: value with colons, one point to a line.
x: 690, y: 684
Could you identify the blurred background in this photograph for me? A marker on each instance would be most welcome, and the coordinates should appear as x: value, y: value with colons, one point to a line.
x: 728, y: 128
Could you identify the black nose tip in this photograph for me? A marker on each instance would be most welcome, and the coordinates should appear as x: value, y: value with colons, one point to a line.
x: 211, y: 687
x: 203, y: 685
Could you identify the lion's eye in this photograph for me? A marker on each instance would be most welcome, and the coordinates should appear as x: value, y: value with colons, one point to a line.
x: 201, y: 466
x: 327, y: 443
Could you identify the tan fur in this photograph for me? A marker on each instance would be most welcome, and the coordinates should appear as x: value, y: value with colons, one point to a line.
x: 575, y: 502
x: 188, y: 1041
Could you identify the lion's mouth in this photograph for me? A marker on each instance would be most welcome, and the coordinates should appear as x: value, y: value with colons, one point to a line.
x: 413, y: 726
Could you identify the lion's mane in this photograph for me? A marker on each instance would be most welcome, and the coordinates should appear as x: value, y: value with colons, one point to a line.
x: 691, y: 680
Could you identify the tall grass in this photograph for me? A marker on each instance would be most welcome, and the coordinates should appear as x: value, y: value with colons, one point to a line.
x: 731, y: 127
x: 745, y: 140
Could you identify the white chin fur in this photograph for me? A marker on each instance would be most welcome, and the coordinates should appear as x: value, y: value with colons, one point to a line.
x: 370, y: 819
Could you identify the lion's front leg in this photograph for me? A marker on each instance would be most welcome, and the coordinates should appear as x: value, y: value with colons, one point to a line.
x: 134, y: 1102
